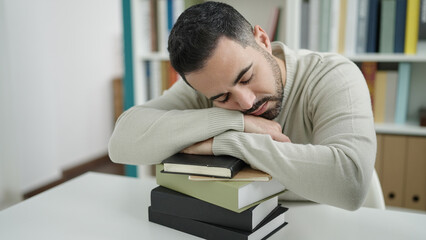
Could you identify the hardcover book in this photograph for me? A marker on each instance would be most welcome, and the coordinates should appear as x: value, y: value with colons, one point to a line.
x: 170, y: 202
x: 235, y: 196
x: 203, y: 165
x: 272, y: 224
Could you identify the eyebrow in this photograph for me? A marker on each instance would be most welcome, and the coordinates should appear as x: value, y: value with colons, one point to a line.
x: 239, y: 76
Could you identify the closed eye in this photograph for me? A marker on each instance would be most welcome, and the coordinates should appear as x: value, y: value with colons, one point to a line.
x: 225, y: 99
x: 248, y: 80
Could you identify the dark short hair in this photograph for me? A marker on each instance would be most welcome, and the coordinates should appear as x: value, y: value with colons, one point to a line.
x: 195, y: 34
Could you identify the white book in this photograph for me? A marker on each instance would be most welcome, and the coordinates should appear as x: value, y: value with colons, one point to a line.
x: 351, y: 27
x: 144, y: 29
x: 333, y: 46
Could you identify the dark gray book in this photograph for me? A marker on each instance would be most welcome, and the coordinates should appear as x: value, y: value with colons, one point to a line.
x: 271, y: 225
x: 203, y: 165
x: 170, y: 202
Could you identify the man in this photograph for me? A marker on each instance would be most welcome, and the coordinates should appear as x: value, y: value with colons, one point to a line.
x: 247, y: 97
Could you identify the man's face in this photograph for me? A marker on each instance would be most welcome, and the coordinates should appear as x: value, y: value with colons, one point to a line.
x: 243, y: 79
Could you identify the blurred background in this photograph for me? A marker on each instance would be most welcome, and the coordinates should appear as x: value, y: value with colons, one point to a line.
x: 58, y: 60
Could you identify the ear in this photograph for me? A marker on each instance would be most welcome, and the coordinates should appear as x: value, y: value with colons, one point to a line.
x: 262, y: 38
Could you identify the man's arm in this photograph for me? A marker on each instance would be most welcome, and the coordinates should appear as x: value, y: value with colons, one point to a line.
x: 149, y: 133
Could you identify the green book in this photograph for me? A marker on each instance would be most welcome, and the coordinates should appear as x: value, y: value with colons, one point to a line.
x: 387, y: 26
x: 235, y: 196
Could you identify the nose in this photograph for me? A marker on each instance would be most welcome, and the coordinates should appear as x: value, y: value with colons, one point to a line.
x: 245, y: 98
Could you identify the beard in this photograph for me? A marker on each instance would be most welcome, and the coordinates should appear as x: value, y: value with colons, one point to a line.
x: 278, y: 96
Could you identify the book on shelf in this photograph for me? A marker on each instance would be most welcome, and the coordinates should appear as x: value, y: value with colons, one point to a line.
x: 421, y: 44
x: 369, y: 70
x: 272, y: 224
x: 387, y: 26
x: 170, y: 202
x: 205, y: 165
x: 362, y: 27
x: 403, y: 90
x: 235, y: 196
x: 373, y: 22
x: 324, y: 34
x: 314, y: 24
x: 391, y: 89
x: 412, y: 26
x: 379, y: 97
x: 245, y: 174
x: 351, y: 26
x: 400, y: 21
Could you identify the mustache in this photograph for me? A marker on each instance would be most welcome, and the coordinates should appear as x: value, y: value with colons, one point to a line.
x: 259, y: 103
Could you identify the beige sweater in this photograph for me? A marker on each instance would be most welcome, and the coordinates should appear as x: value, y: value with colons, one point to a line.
x: 326, y: 114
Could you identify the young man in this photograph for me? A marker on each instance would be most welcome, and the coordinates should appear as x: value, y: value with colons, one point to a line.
x: 247, y: 97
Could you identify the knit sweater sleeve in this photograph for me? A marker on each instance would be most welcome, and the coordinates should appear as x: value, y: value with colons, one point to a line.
x: 335, y: 168
x: 151, y: 132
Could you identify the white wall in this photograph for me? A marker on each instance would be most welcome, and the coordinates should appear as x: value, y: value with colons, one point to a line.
x: 56, y: 97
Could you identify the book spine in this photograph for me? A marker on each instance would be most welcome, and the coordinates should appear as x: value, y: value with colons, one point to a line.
x: 351, y: 25
x: 412, y: 26
x: 379, y: 97
x: 174, y: 203
x: 373, y: 20
x: 387, y: 26
x: 314, y: 24
x: 400, y: 19
x: 324, y: 35
x: 421, y: 45
x: 391, y: 87
x: 404, y: 74
x: 342, y: 26
x: 369, y: 70
x: 362, y: 27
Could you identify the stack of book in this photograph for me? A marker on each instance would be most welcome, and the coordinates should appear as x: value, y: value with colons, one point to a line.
x: 231, y: 205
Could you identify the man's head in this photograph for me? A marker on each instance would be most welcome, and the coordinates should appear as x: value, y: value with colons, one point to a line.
x: 217, y: 52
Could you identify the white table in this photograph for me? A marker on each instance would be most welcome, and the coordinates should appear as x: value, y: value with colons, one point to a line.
x: 101, y: 206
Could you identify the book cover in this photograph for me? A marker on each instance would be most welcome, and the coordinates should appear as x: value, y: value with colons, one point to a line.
x: 362, y: 27
x: 379, y: 97
x: 373, y: 23
x: 412, y: 26
x: 204, y: 165
x: 245, y: 174
x: 235, y: 196
x: 210, y: 231
x: 400, y: 18
x: 387, y: 26
x: 170, y: 202
x: 402, y: 94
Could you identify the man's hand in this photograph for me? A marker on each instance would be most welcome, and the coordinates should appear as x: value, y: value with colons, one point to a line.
x: 202, y: 148
x: 253, y: 124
